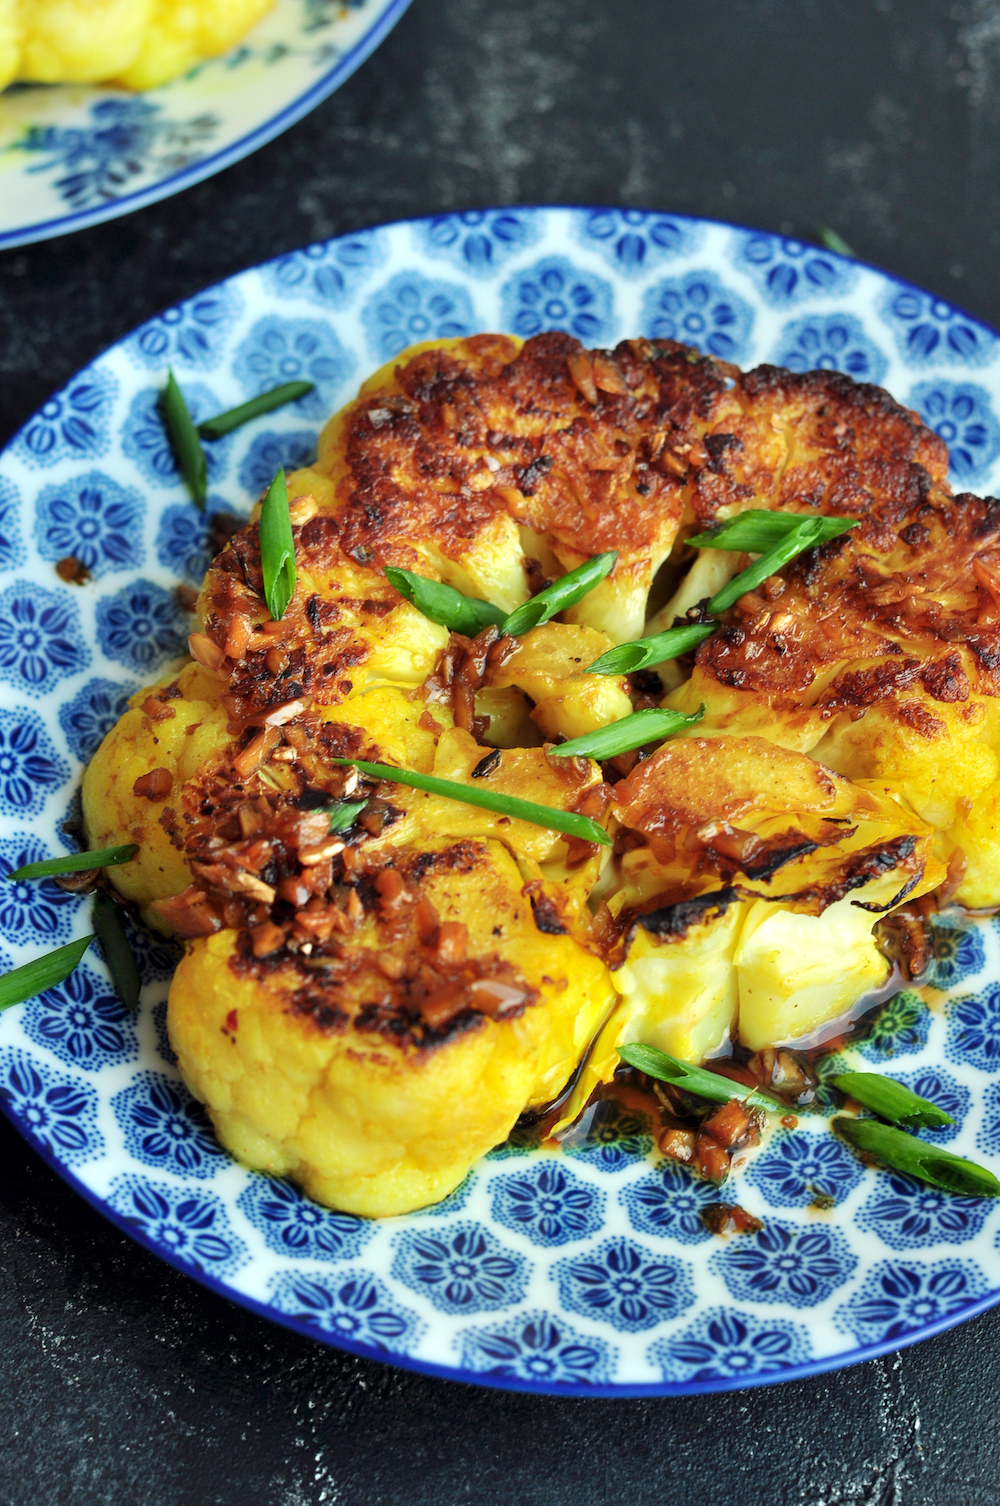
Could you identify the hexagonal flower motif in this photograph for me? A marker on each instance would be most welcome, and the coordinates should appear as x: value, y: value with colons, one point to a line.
x: 988, y: 1137
x: 411, y: 308
x: 962, y: 415
x: 11, y: 548
x: 41, y: 638
x: 32, y: 910
x: 900, y: 1029
x: 927, y: 329
x: 82, y: 1022
x: 353, y: 1306
x: 800, y: 1264
x: 554, y: 294
x: 958, y: 950
x: 938, y: 1086
x: 192, y: 1228
x: 59, y: 1112
x: 270, y: 452
x: 670, y: 1202
x: 141, y: 626
x: 479, y: 240
x: 634, y: 240
x: 72, y: 425
x: 830, y: 342
x: 166, y: 1128
x: 145, y: 441
x: 609, y: 1136
x: 536, y: 1346
x: 897, y: 1299
x: 697, y: 309
x: 30, y: 767
x: 292, y: 1224
x: 974, y: 1030
x: 183, y: 537
x: 462, y: 1268
x: 624, y: 1284
x: 328, y: 272
x: 294, y: 350
x: 786, y: 271
x: 192, y: 333
x: 907, y: 1215
x: 93, y: 519
x: 90, y: 715
x: 796, y: 1168
x: 548, y: 1204
x: 728, y: 1345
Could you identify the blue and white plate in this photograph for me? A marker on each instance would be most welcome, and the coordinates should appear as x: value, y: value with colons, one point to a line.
x: 75, y: 154
x: 582, y: 1271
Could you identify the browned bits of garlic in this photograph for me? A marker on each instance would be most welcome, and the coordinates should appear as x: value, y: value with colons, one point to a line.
x: 156, y: 785
x: 207, y: 653
x: 249, y: 760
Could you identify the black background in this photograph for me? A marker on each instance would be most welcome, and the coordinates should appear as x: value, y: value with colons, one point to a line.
x: 122, y: 1381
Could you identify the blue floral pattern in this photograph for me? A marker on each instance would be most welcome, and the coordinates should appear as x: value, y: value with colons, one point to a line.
x: 534, y: 1346
x: 270, y: 452
x: 787, y: 271
x: 554, y: 294
x: 478, y: 240
x: 190, y: 1227
x: 41, y: 640
x: 88, y: 718
x: 988, y: 1138
x: 183, y: 538
x: 353, y: 1307
x: 609, y: 1136
x: 728, y: 1345
x: 962, y: 415
x: 193, y: 333
x: 697, y: 309
x: 974, y: 1030
x: 938, y: 1086
x: 145, y: 441
x: 670, y: 1201
x: 411, y: 308
x: 830, y: 342
x: 900, y: 1029
x: 329, y: 272
x: 907, y: 1215
x: 93, y: 519
x: 896, y: 1299
x: 292, y: 1224
x: 958, y: 950
x: 141, y: 626
x: 82, y: 1022
x: 929, y: 331
x: 59, y: 1112
x: 800, y: 1264
x: 164, y: 1127
x: 624, y: 1284
x: 294, y: 350
x: 75, y: 424
x: 32, y: 911
x: 634, y: 240
x: 12, y: 551
x: 30, y: 767
x: 548, y: 1204
x: 462, y: 1268
x: 797, y: 1168
x: 157, y: 956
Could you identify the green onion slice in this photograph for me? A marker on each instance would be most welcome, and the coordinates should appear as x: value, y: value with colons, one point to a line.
x: 184, y: 438
x: 803, y: 536
x: 277, y: 548
x: 629, y: 732
x: 117, y: 953
x: 758, y: 531
x: 563, y: 593
x: 889, y: 1099
x: 344, y: 814
x: 628, y: 657
x: 41, y: 973
x: 443, y: 604
x: 569, y: 822
x: 928, y: 1163
x: 834, y: 242
x: 696, y: 1080
x: 76, y: 862
x: 265, y: 402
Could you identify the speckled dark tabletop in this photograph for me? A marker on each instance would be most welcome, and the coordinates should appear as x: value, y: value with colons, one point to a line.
x: 122, y: 1381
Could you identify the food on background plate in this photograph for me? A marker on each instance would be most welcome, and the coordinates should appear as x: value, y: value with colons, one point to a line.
x: 441, y: 852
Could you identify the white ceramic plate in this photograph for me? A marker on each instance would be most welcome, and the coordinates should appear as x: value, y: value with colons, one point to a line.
x: 73, y: 155
x: 585, y: 1271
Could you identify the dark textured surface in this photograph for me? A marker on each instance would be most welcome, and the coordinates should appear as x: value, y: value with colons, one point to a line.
x: 122, y: 1380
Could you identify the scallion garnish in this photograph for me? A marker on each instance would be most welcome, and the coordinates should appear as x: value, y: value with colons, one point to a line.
x: 628, y: 657
x: 344, y: 814
x: 890, y: 1100
x: 568, y: 822
x: 757, y: 531
x: 277, y: 548
x: 915, y: 1158
x: 76, y: 862
x: 41, y: 973
x: 803, y: 536
x: 184, y: 438
x: 696, y: 1080
x: 443, y: 604
x: 117, y: 953
x: 264, y: 402
x: 834, y: 242
x: 626, y: 734
x: 563, y: 593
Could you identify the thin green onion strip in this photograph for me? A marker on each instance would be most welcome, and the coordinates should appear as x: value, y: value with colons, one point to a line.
x: 626, y: 658
x: 264, y: 402
x: 561, y: 594
x: 568, y: 822
x: 185, y: 441
x: 76, y: 862
x: 277, y: 548
x: 803, y: 536
x: 344, y: 814
x: 443, y: 604
x: 889, y: 1099
x: 915, y: 1158
x: 696, y: 1080
x: 834, y: 242
x: 118, y: 953
x: 759, y: 530
x: 627, y: 733
x: 41, y: 973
